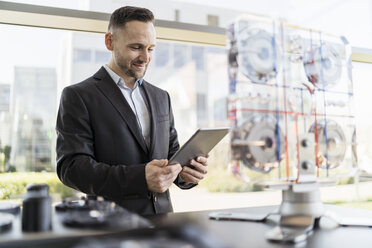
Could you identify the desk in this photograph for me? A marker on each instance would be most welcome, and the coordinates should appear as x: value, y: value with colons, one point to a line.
x: 252, y: 234
x: 231, y: 233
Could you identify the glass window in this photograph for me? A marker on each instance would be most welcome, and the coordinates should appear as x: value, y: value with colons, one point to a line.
x: 82, y: 55
x: 195, y: 76
x: 197, y: 55
x: 161, y: 56
x: 201, y: 109
x: 4, y: 97
x: 362, y: 74
x: 180, y: 53
x: 33, y: 77
x: 339, y: 17
x: 102, y: 57
x: 194, y: 84
x: 220, y: 110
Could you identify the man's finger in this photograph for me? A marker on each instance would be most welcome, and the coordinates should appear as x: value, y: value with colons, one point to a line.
x: 172, y: 169
x: 199, y: 167
x: 202, y: 160
x: 189, y: 178
x: 192, y: 172
x: 170, y: 176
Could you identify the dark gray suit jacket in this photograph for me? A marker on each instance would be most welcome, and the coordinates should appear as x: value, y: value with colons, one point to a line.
x: 100, y: 148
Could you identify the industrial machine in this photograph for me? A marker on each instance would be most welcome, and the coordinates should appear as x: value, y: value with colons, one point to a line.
x: 292, y: 117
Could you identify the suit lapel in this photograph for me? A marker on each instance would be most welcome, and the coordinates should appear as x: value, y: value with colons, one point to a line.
x: 151, y: 103
x: 108, y: 87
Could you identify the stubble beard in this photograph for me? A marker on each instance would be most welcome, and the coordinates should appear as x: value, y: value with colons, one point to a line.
x: 131, y: 73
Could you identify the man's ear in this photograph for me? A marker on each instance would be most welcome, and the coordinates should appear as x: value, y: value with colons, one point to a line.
x: 109, y: 41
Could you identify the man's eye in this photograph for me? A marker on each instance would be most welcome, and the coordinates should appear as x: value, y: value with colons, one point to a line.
x: 136, y: 48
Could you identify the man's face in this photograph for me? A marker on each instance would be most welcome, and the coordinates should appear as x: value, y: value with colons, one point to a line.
x: 132, y: 50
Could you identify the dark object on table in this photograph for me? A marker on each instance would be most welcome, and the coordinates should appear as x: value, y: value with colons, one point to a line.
x: 6, y: 221
x: 37, y: 212
x: 97, y: 214
x: 9, y: 207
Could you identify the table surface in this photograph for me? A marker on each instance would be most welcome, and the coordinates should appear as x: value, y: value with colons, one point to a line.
x: 252, y: 234
x: 229, y: 233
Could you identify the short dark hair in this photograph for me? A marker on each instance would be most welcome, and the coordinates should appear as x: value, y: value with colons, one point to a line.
x: 129, y: 13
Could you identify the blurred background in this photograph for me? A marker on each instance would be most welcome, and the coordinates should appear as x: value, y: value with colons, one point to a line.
x: 48, y: 45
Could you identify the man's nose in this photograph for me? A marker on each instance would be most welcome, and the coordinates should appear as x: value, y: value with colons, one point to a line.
x: 144, y: 56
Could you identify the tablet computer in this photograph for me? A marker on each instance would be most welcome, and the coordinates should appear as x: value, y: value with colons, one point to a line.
x: 200, y: 144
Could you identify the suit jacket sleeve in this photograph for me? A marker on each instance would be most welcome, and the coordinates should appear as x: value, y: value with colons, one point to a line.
x: 174, y: 147
x: 173, y: 138
x: 77, y: 166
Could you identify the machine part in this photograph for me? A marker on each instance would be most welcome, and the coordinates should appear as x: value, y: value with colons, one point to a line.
x: 98, y: 214
x: 261, y: 141
x: 9, y: 207
x: 299, y: 102
x: 257, y: 55
x: 292, y: 235
x: 306, y: 161
x: 37, y: 211
x: 354, y: 149
x: 295, y: 48
x: 93, y: 213
x: 233, y: 64
x: 72, y: 205
x: 42, y: 189
x: 331, y: 142
x: 300, y: 212
x: 238, y: 216
x: 301, y: 199
x: 6, y: 221
x: 323, y: 65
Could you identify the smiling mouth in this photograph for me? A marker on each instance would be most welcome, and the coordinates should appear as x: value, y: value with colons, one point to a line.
x: 139, y: 65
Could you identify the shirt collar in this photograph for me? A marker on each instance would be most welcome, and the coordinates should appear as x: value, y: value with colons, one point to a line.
x: 117, y: 79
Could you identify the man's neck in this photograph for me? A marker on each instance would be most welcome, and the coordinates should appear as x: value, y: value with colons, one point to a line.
x: 129, y: 81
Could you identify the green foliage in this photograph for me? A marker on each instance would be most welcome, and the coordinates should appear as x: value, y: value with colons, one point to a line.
x: 366, y: 204
x: 219, y: 180
x: 345, y: 180
x: 11, y: 168
x: 14, y: 184
x: 6, y: 151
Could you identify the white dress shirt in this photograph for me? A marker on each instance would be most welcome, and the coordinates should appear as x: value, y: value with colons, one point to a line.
x: 136, y: 102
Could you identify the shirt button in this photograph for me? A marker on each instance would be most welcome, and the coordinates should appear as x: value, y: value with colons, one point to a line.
x: 155, y: 198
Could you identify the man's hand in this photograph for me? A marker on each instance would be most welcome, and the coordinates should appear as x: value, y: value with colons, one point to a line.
x: 159, y: 176
x: 195, y: 175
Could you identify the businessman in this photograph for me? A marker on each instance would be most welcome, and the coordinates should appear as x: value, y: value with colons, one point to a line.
x: 115, y: 131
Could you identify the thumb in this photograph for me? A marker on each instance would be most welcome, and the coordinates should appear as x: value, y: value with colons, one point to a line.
x: 164, y: 162
x: 161, y: 162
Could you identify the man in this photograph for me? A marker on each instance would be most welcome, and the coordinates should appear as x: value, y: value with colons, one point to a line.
x: 115, y: 131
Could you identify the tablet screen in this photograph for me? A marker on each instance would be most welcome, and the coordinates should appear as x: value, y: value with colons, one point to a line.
x: 200, y: 144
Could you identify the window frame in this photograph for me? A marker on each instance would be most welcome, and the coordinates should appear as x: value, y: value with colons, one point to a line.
x: 97, y: 22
